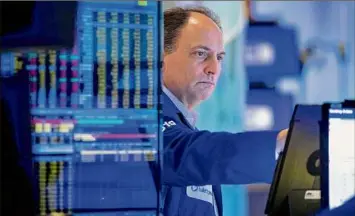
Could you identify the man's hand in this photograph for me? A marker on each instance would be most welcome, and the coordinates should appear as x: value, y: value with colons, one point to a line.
x: 280, y: 142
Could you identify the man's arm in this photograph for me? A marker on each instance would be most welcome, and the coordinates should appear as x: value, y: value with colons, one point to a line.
x: 203, y: 157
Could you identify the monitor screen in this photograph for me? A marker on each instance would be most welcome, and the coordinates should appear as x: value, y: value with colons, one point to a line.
x: 341, y: 155
x: 95, y: 113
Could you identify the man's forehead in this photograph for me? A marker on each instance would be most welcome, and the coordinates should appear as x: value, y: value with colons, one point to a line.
x: 201, y: 32
x: 204, y: 39
x: 193, y: 20
x: 196, y: 18
x: 208, y: 39
x: 207, y: 47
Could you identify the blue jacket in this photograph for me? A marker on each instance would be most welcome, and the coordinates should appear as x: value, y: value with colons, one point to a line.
x: 347, y: 209
x: 194, y: 159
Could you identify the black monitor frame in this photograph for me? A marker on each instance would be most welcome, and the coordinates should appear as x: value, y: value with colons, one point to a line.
x: 277, y: 173
x: 324, y: 151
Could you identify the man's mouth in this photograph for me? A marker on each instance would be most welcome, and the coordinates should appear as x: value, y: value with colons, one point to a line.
x: 206, y: 82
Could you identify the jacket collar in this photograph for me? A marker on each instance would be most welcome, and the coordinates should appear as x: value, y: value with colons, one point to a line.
x: 170, y: 109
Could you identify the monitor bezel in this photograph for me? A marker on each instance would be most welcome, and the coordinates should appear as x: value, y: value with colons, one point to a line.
x: 270, y: 204
x: 324, y: 125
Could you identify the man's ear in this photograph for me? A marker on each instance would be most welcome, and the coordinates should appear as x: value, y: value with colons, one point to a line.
x: 163, y: 66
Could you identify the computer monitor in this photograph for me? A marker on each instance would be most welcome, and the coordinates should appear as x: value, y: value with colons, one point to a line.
x: 33, y: 25
x: 298, y: 169
x: 94, y: 113
x: 338, y: 153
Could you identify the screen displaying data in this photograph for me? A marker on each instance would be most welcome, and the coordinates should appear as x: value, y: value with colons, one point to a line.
x: 94, y: 112
x: 341, y: 154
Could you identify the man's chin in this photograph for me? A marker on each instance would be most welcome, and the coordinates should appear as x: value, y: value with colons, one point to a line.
x: 206, y: 95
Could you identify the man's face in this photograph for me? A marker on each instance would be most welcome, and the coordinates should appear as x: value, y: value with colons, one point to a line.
x: 192, y: 70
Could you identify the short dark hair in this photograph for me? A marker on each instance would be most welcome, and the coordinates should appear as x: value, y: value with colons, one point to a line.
x: 176, y: 18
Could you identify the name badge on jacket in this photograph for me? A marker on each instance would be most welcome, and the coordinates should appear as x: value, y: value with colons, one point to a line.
x: 203, y: 193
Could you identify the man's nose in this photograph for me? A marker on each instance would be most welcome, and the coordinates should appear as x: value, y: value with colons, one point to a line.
x: 213, y: 67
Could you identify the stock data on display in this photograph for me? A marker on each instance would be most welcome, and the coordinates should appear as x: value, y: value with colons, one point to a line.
x: 94, y: 110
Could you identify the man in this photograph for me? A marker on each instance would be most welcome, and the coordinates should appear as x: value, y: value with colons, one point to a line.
x: 196, y: 162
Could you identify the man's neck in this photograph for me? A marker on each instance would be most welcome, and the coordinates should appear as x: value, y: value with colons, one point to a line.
x: 189, y: 114
x: 183, y: 98
x: 180, y: 96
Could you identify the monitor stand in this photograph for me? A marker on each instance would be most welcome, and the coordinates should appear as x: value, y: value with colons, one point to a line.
x: 299, y: 202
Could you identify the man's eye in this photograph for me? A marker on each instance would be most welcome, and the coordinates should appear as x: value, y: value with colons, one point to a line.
x: 200, y: 54
x: 220, y: 58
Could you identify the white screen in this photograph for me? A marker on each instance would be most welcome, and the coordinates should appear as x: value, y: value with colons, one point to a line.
x: 341, y: 156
